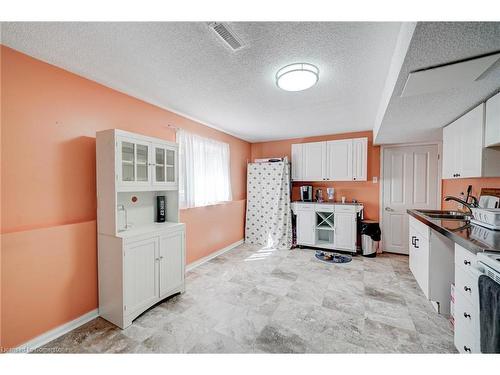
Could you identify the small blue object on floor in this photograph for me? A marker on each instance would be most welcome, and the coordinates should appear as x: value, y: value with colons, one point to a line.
x: 332, y: 257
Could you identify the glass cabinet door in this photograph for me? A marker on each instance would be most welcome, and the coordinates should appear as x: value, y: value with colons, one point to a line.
x: 128, y: 161
x: 142, y: 162
x: 134, y: 161
x: 160, y: 175
x: 170, y: 165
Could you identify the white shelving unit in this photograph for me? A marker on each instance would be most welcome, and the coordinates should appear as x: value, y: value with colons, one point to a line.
x: 140, y: 262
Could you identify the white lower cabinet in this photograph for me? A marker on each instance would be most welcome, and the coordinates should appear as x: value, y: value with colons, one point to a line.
x: 431, y: 263
x: 171, y: 263
x: 467, y: 328
x: 305, y: 227
x: 345, y: 231
x: 140, y: 274
x: 327, y: 226
x: 137, y: 272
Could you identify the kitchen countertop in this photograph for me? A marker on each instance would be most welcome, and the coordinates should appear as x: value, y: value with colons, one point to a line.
x: 331, y: 202
x: 473, y: 237
x: 149, y: 228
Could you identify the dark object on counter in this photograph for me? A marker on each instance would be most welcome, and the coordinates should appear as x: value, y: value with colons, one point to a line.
x: 489, y: 314
x: 160, y: 209
x: 319, y: 196
x: 306, y: 193
x: 370, y: 236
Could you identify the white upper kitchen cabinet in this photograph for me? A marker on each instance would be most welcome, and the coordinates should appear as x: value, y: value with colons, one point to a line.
x: 313, y: 161
x: 297, y: 165
x: 339, y: 160
x: 464, y: 154
x: 359, y: 159
x: 492, y: 126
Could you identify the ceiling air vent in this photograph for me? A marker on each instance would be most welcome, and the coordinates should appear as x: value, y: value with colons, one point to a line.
x: 227, y: 35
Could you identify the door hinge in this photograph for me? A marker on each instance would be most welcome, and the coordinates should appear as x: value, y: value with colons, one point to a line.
x: 124, y: 307
x: 439, y: 156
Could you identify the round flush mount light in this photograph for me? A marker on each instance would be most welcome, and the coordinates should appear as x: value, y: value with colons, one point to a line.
x: 297, y: 77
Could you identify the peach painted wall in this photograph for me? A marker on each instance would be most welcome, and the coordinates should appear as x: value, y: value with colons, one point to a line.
x: 49, y: 120
x: 456, y: 186
x: 366, y: 192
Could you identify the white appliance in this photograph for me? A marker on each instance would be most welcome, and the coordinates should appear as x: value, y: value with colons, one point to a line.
x: 490, y: 263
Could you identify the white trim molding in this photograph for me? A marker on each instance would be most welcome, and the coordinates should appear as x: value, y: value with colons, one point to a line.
x: 53, y: 334
x: 199, y: 262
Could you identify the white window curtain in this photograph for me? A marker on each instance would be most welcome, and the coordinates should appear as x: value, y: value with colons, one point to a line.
x: 204, y: 171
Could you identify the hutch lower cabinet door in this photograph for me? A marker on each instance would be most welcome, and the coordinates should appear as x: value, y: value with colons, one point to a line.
x: 141, y: 274
x: 171, y: 263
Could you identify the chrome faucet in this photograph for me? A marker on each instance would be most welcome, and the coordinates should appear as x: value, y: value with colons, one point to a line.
x: 470, y: 206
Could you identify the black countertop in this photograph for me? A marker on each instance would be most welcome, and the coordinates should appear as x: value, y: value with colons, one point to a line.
x: 471, y: 236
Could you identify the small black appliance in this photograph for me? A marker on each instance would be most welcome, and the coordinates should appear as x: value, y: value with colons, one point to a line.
x: 160, y: 209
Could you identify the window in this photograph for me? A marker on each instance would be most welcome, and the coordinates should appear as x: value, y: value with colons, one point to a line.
x: 204, y: 175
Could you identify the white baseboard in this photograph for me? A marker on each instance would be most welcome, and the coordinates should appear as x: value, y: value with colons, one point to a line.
x: 199, y: 262
x: 55, y: 333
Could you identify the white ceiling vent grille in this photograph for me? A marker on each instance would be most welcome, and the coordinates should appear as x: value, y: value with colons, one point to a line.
x: 227, y: 35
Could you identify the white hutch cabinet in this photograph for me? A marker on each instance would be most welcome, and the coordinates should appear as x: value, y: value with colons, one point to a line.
x: 140, y: 261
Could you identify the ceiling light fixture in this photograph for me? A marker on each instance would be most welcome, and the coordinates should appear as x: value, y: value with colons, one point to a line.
x: 297, y: 77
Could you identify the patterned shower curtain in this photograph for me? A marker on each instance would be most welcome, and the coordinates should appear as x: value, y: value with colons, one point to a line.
x: 268, y: 216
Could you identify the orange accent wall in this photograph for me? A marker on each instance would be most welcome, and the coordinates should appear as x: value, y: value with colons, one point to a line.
x: 365, y: 192
x: 48, y: 190
x: 456, y: 186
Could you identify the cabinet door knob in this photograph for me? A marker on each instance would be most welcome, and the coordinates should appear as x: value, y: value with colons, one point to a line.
x: 467, y: 263
x: 466, y: 315
x: 416, y: 243
x: 157, y: 259
x: 161, y: 257
x: 413, y: 238
x: 467, y: 289
x: 467, y: 349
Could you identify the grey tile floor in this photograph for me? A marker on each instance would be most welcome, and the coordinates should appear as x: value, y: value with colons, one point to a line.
x: 253, y: 300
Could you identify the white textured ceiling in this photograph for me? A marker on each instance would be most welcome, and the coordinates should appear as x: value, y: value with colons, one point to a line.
x: 185, y: 67
x: 421, y: 117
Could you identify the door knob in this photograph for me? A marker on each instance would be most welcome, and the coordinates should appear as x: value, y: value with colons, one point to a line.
x: 388, y: 209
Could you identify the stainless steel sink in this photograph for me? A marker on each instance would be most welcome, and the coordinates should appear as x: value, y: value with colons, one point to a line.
x: 438, y: 214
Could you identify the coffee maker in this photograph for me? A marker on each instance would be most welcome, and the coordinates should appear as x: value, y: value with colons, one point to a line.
x: 306, y: 192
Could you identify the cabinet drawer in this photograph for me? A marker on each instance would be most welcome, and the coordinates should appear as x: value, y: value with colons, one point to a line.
x: 466, y: 314
x: 466, y: 283
x: 324, y: 207
x: 346, y: 209
x: 304, y: 206
x: 465, y: 341
x: 464, y: 258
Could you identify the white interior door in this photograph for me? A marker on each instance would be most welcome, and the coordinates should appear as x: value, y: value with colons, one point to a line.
x: 409, y: 181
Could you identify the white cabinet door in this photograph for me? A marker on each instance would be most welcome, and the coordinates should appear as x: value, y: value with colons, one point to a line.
x: 492, y: 126
x: 172, y: 261
x: 471, y: 142
x: 133, y: 159
x: 359, y: 162
x: 339, y: 160
x: 297, y: 162
x: 345, y: 231
x: 313, y: 161
x: 413, y: 261
x: 140, y: 274
x: 450, y: 150
x: 164, y: 166
x: 306, y: 234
